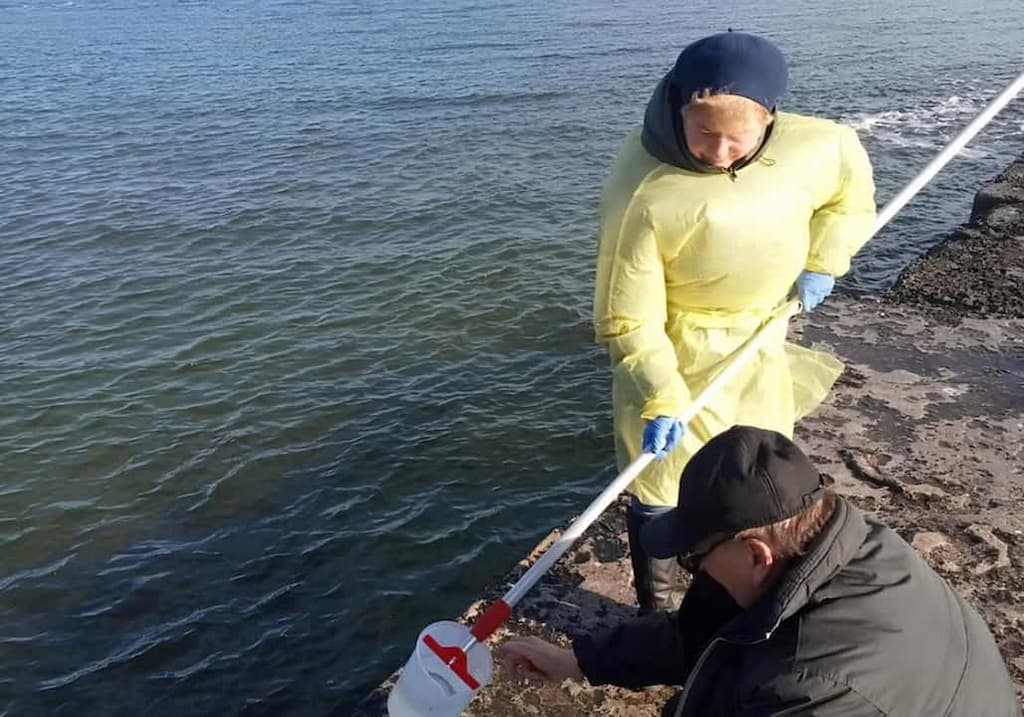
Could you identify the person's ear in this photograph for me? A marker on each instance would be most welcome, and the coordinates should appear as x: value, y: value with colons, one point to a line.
x: 762, y: 557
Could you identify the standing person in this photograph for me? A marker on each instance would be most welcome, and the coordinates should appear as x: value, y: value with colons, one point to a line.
x: 711, y: 214
x: 800, y: 606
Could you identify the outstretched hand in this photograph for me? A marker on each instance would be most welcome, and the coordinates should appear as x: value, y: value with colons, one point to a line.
x: 535, y: 660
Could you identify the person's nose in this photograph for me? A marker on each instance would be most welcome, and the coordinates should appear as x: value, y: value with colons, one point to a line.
x: 719, y: 154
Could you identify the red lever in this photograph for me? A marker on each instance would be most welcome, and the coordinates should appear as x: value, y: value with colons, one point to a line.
x: 456, y: 660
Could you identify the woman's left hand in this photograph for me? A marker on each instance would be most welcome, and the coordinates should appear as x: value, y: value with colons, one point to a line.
x: 813, y: 287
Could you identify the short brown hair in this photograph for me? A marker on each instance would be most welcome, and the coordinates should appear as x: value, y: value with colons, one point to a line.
x: 789, y: 538
x: 731, y: 108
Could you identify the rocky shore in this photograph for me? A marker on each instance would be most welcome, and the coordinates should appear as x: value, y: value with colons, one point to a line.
x: 979, y: 269
x: 924, y: 430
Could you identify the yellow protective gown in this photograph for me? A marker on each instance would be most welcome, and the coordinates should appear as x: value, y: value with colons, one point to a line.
x: 690, y: 265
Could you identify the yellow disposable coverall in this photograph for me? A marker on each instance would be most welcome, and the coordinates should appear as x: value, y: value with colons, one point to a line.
x: 691, y: 265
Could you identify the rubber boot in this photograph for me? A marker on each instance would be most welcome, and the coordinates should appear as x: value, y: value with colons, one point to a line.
x: 653, y: 578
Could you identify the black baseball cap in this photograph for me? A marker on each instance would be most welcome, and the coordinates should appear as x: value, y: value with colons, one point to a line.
x: 743, y: 478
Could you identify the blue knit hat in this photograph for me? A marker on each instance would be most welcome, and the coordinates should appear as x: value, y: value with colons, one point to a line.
x: 734, y: 63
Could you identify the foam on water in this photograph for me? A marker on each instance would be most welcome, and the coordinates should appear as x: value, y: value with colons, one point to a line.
x: 929, y: 125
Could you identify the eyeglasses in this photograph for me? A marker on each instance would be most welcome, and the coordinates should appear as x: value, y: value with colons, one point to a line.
x: 691, y: 563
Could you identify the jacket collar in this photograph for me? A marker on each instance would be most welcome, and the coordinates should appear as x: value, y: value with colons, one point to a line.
x: 834, y: 548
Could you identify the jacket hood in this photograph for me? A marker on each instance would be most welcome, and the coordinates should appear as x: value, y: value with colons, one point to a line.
x: 662, y: 134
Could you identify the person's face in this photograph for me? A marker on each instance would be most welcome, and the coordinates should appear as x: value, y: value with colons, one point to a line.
x: 745, y: 567
x: 722, y: 138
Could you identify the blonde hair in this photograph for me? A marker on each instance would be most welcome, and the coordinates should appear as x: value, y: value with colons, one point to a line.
x: 728, y: 109
x: 789, y: 538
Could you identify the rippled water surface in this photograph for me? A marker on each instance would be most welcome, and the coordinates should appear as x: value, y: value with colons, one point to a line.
x: 294, y: 344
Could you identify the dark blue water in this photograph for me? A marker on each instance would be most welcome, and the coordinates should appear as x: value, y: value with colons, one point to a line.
x: 295, y: 344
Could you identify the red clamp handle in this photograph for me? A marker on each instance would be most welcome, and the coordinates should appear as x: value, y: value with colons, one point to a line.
x: 491, y: 620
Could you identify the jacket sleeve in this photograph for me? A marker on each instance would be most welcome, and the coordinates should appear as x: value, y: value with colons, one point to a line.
x: 642, y: 652
x: 630, y: 312
x: 843, y: 224
x: 806, y: 695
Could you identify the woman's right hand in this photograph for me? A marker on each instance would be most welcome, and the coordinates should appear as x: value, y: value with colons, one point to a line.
x: 661, y: 435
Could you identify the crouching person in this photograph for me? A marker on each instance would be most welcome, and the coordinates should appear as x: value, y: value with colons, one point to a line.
x: 799, y: 605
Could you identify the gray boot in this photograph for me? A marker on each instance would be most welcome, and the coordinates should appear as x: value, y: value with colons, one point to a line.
x: 655, y: 579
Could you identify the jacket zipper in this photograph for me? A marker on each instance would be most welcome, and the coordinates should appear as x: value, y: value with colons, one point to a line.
x: 704, y: 655
x: 693, y: 674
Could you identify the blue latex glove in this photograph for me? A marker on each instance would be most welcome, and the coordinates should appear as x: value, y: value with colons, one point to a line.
x: 812, y: 288
x: 661, y: 435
